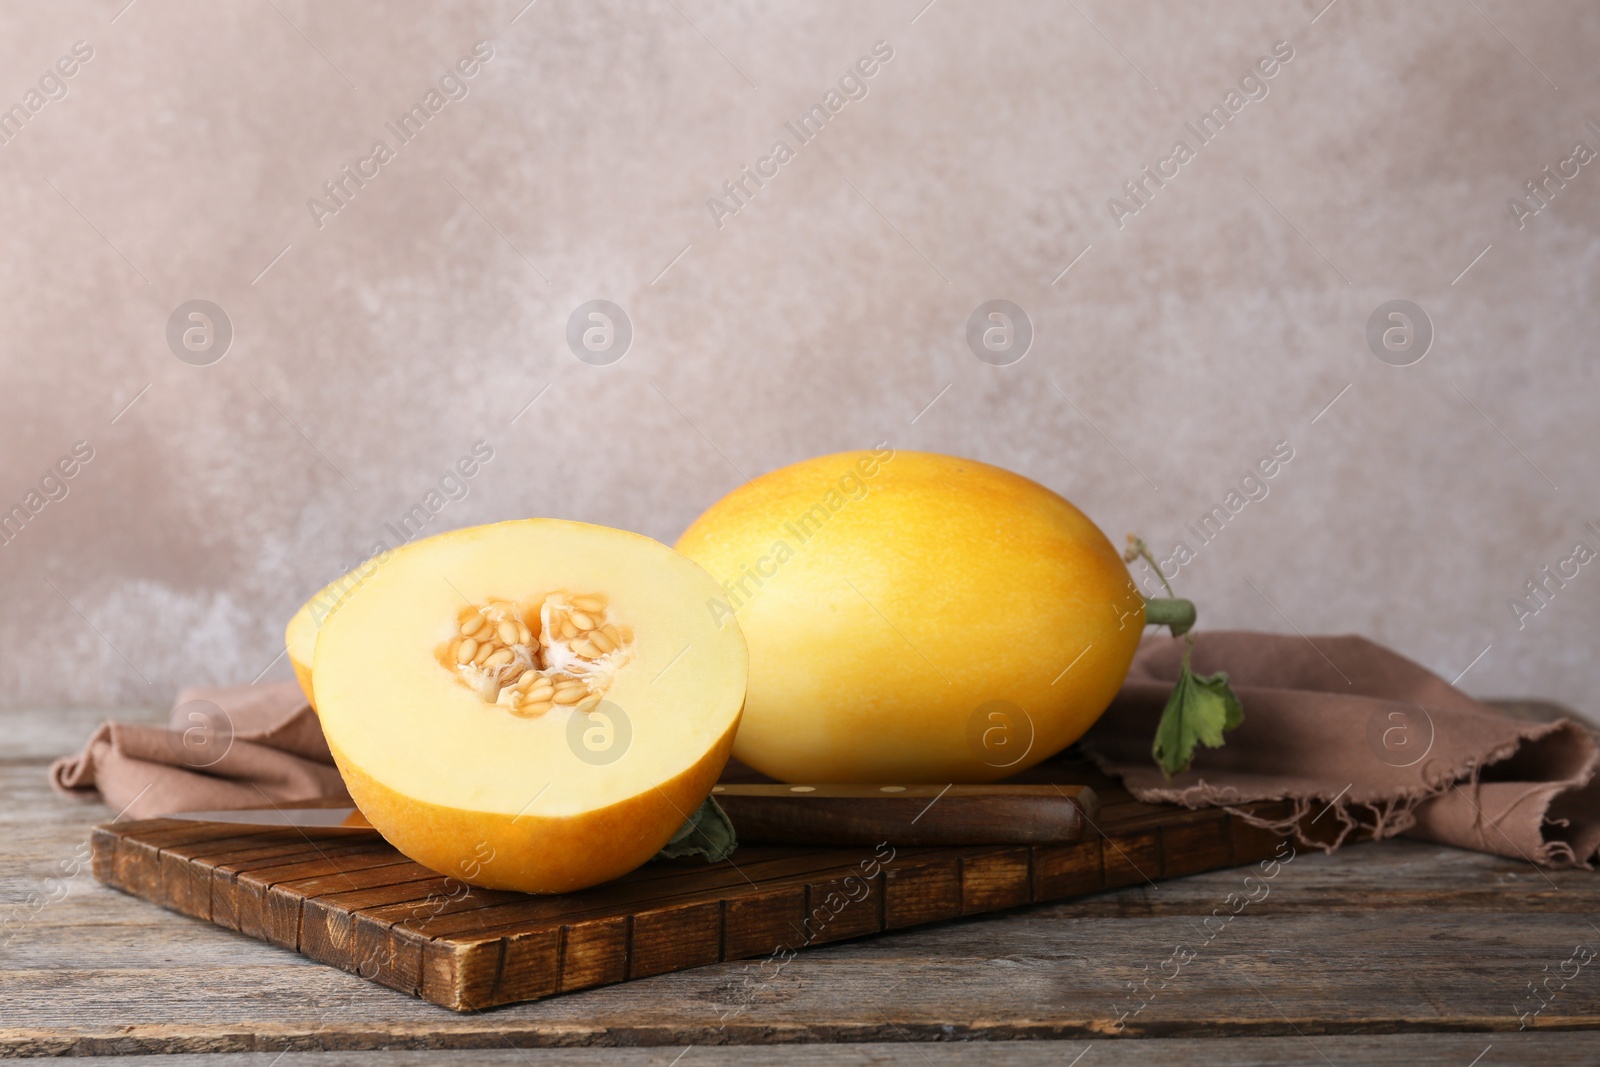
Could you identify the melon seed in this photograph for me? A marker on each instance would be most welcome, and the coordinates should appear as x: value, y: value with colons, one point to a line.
x: 504, y: 640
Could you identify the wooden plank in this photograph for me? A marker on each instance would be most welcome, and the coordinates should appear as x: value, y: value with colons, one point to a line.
x: 1068, y: 870
x: 1196, y: 845
x: 593, y: 952
x: 839, y: 908
x: 762, y: 922
x: 390, y: 954
x: 137, y: 849
x: 996, y: 880
x: 1130, y: 859
x: 673, y: 938
x: 103, y: 852
x: 922, y: 893
x: 1370, y: 1050
x: 530, y: 966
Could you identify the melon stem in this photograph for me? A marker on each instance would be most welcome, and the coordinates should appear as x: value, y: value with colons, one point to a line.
x: 1200, y: 709
x: 1175, y: 613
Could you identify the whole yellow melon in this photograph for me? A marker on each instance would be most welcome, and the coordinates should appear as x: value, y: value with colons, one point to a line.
x: 914, y: 617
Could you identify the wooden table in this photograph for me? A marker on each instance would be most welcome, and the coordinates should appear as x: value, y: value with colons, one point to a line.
x: 1398, y: 952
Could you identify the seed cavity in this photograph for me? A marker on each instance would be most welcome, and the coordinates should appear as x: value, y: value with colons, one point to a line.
x: 545, y: 652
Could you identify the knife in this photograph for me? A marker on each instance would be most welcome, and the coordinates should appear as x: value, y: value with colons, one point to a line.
x: 821, y: 814
x: 907, y: 814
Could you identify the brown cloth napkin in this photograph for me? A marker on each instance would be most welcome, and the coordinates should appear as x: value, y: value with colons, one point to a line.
x: 238, y: 746
x: 1381, y: 743
x: 1344, y: 729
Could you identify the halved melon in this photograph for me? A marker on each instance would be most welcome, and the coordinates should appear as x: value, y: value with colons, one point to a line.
x: 534, y: 705
x: 300, y: 636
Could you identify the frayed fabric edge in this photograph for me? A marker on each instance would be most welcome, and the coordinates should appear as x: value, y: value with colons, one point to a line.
x: 1394, y: 815
x: 1390, y: 818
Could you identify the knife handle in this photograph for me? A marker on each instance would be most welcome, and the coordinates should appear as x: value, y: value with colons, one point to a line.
x: 908, y: 815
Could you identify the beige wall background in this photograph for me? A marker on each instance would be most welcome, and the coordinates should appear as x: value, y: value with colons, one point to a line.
x: 1171, y: 352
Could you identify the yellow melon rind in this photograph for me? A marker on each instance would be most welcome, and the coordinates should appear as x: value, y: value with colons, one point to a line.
x: 537, y: 854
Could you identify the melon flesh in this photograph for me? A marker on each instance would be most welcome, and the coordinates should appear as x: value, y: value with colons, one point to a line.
x: 453, y: 763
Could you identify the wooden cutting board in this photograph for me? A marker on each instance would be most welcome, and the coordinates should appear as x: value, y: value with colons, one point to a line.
x: 351, y: 900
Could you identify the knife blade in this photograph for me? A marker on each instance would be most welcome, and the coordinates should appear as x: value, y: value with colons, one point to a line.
x: 341, y: 818
x: 823, y: 814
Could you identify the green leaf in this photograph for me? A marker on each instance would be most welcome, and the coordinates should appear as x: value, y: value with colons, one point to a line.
x: 1200, y: 710
x: 708, y: 834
